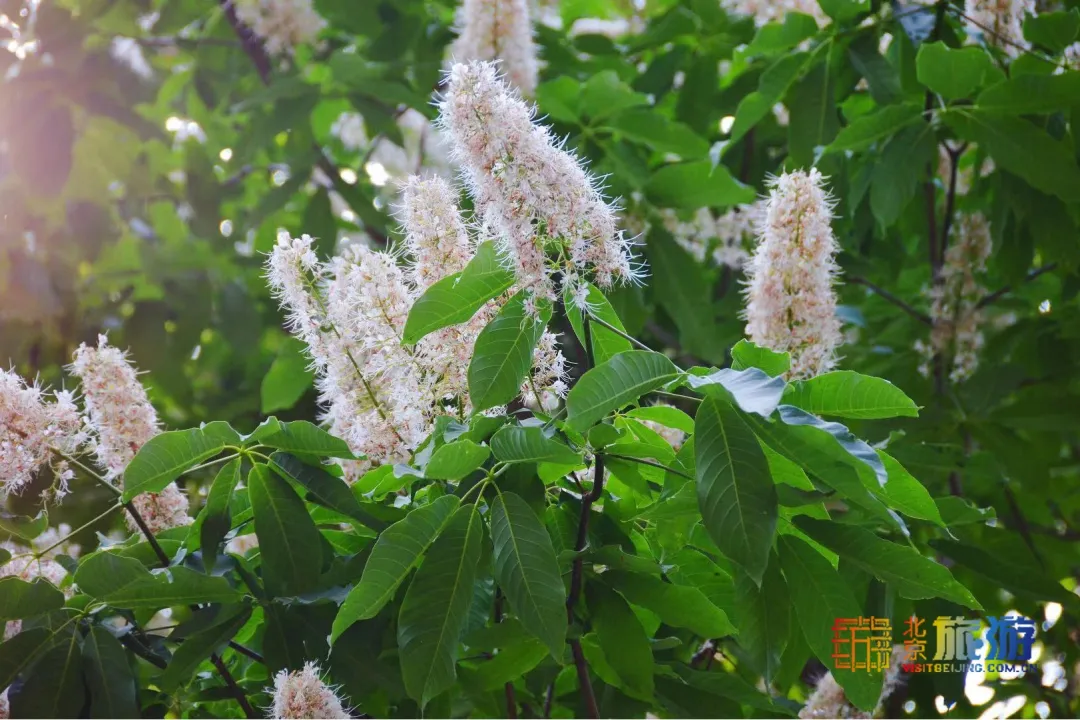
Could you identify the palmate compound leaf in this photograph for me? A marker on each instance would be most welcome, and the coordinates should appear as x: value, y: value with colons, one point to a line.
x: 396, y: 552
x: 503, y: 353
x: 528, y: 572
x: 735, y: 490
x: 456, y: 298
x: 621, y: 380
x: 436, y: 606
x: 821, y: 597
x: 168, y: 455
x: 912, y: 575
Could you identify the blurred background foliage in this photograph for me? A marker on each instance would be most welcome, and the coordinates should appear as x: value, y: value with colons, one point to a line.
x: 149, y: 155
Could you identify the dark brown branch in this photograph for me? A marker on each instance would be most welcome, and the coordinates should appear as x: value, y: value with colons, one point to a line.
x: 704, y: 654
x: 587, y: 693
x: 886, y: 295
x: 998, y: 294
x: 1022, y: 524
x: 950, y: 198
x: 549, y: 698
x: 511, y: 701
x: 230, y: 682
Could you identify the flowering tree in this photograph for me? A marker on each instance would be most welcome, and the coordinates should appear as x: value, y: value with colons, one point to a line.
x: 429, y: 423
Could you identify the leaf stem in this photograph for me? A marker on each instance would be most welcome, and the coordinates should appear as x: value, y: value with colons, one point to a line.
x: 633, y: 341
x: 650, y: 463
x: 92, y: 473
x: 886, y: 295
x: 41, y: 553
x: 998, y: 294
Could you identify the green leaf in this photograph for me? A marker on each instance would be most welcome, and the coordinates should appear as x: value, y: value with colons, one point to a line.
x: 20, y: 599
x: 396, y: 552
x: 1032, y: 94
x: 682, y: 289
x: 456, y: 298
x: 436, y: 606
x: 1023, y: 580
x: 19, y: 652
x: 527, y: 571
x: 511, y: 663
x: 730, y: 685
x: 124, y: 582
x: 1022, y: 148
x: 881, y: 75
x: 816, y: 120
x: 323, y: 488
x: 763, y: 614
x: 604, y: 94
x: 514, y: 444
x: 912, y: 575
x: 904, y: 493
x: 198, y: 647
x: 958, y: 511
x: 855, y: 449
x: 677, y: 605
x: 288, y: 378
x: 108, y: 676
x: 665, y: 415
x: 844, y: 10
x: 605, y: 343
x: 23, y: 526
x: 747, y: 355
x: 735, y: 490
x: 693, y: 185
x: 1052, y: 30
x: 658, y: 132
x: 289, y: 543
x: 169, y: 455
x: 503, y: 354
x: 622, y: 639
x: 55, y: 688
x: 775, y: 38
x: 952, y: 72
x: 621, y: 380
x: 875, y: 127
x: 751, y: 389
x: 455, y: 460
x: 302, y: 437
x: 847, y: 394
x: 214, y: 520
x: 901, y: 167
x: 822, y: 598
x: 772, y: 87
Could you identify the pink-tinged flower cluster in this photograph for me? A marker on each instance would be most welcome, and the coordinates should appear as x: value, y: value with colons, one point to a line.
x: 303, y: 694
x: 121, y: 421
x: 27, y: 565
x: 120, y: 413
x: 435, y: 234
x: 723, y: 238
x: 282, y: 24
x: 547, y: 384
x: 33, y: 428
x: 954, y: 309
x: 1000, y: 23
x: 499, y: 30
x: 546, y: 211
x: 791, y: 304
x: 828, y: 699
x: 673, y: 436
x: 965, y: 171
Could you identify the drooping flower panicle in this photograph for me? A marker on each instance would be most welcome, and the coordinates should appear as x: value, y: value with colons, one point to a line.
x: 954, y: 309
x: 724, y: 239
x: 1000, y: 23
x: 282, y: 24
x: 499, y: 30
x: 534, y: 196
x: 303, y: 694
x: 791, y: 303
x: 766, y: 11
x: 435, y: 233
x: 122, y: 420
x: 32, y: 429
x: 828, y: 699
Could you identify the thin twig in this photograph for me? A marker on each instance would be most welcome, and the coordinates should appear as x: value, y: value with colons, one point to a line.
x: 61, y: 541
x: 511, y: 700
x: 1022, y: 524
x: 998, y: 294
x: 886, y: 295
x: 633, y: 341
x: 583, y: 679
x: 1008, y: 41
x: 950, y: 198
x: 549, y: 697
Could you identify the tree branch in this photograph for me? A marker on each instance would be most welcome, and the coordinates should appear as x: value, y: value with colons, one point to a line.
x: 998, y: 294
x: 886, y: 295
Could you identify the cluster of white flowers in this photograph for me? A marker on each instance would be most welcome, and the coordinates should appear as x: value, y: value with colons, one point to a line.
x: 724, y: 238
x: 673, y: 436
x: 128, y: 52
x: 349, y: 128
x: 122, y: 420
x: 828, y: 699
x: 303, y: 694
x: 282, y: 24
x: 499, y: 30
x: 791, y: 303
x: 33, y: 428
x: 378, y: 394
x: 766, y: 11
x: 1000, y: 23
x: 535, y: 197
x: 954, y: 307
